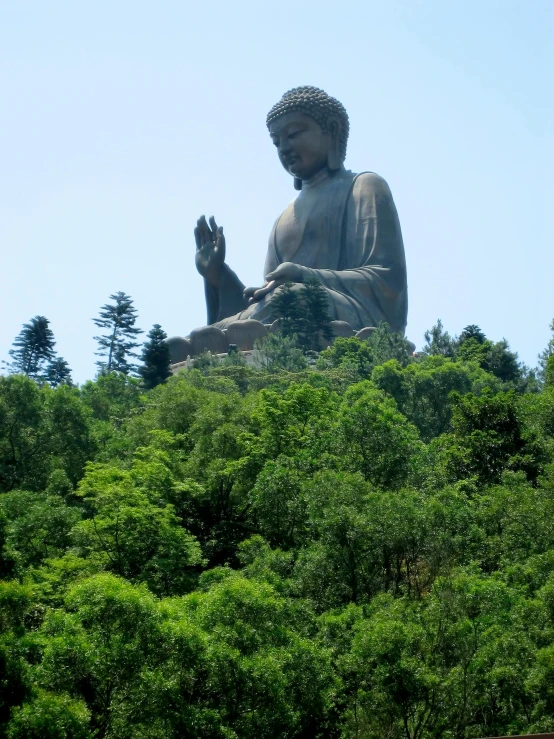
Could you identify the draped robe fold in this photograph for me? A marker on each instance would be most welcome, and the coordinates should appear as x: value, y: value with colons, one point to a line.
x: 345, y: 230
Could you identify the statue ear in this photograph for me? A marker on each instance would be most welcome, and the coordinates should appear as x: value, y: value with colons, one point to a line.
x: 334, y: 159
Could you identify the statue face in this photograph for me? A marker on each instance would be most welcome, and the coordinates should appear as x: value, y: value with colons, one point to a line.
x: 302, y: 145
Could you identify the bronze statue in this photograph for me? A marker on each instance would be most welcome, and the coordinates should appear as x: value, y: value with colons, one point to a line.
x: 341, y: 229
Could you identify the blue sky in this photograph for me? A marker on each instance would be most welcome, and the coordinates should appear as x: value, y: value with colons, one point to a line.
x: 122, y: 122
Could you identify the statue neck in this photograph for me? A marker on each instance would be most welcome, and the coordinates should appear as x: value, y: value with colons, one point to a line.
x: 324, y: 175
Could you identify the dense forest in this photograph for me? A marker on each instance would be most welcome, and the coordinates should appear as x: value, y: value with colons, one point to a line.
x: 355, y: 542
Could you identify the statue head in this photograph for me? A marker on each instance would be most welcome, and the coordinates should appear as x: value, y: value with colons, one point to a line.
x: 310, y: 130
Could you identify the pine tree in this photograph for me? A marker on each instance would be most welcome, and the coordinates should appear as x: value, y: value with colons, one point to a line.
x: 549, y: 372
x: 119, y: 344
x: 304, y: 314
x: 439, y: 341
x: 472, y: 332
x: 545, y: 355
x: 33, y: 349
x: 58, y: 372
x: 156, y: 358
x: 503, y: 363
x: 290, y: 310
x: 316, y: 315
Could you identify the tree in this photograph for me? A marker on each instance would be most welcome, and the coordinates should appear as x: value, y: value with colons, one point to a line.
x: 58, y: 372
x: 348, y: 353
x: 439, y: 341
x: 546, y: 354
x: 378, y: 440
x: 119, y: 343
x: 494, y: 358
x: 385, y: 345
x: 549, y: 372
x: 422, y: 389
x: 303, y: 313
x: 472, y: 332
x: 489, y: 437
x: 317, y: 319
x: 41, y: 430
x: 503, y: 363
x: 33, y: 348
x: 277, y: 351
x: 289, y: 310
x: 156, y: 358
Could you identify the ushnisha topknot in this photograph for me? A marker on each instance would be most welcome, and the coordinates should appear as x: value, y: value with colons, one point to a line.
x: 318, y: 105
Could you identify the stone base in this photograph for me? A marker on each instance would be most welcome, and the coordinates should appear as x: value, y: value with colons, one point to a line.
x: 242, y: 335
x: 189, y: 363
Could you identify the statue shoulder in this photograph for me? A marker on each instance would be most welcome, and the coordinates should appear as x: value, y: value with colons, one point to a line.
x: 366, y: 183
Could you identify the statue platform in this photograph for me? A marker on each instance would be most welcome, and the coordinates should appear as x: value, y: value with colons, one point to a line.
x: 242, y: 335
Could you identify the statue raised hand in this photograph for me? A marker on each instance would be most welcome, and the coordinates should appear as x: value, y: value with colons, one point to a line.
x: 210, y: 250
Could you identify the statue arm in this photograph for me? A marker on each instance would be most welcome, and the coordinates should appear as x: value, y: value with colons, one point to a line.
x: 226, y: 297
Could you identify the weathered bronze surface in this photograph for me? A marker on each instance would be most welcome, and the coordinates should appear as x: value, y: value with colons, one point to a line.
x: 342, y: 229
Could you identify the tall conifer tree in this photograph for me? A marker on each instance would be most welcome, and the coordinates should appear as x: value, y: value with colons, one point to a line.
x: 316, y: 315
x: 58, y: 372
x: 33, y: 349
x: 290, y: 310
x: 118, y: 345
x: 156, y: 358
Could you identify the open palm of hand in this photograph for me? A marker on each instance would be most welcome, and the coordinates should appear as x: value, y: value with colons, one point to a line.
x: 210, y: 249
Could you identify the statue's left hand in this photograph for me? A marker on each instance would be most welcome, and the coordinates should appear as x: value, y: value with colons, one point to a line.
x: 285, y: 272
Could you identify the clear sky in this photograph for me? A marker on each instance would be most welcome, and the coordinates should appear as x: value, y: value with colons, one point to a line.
x: 121, y: 122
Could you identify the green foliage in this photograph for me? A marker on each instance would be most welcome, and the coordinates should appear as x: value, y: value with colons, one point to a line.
x: 58, y: 372
x: 378, y: 440
x: 302, y: 311
x: 41, y: 430
x: 50, y: 716
x: 385, y: 345
x: 317, y: 318
x: 549, y: 372
x: 439, y: 341
x: 134, y: 531
x: 422, y: 390
x: 351, y: 353
x: 362, y: 547
x: 155, y: 358
x: 489, y: 437
x: 545, y: 355
x: 277, y: 352
x: 33, y: 349
x: 120, y: 342
x: 472, y: 333
x: 289, y: 310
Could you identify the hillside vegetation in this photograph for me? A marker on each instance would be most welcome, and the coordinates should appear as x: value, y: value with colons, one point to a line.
x: 362, y: 547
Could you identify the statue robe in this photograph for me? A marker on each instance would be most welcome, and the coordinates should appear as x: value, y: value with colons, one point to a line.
x: 344, y: 228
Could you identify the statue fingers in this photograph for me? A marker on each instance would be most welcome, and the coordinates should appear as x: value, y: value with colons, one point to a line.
x: 220, y: 241
x: 205, y: 233
x: 197, y: 238
x: 248, y: 292
x: 263, y: 291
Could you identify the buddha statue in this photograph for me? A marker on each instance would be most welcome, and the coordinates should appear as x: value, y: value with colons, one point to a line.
x: 342, y: 229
